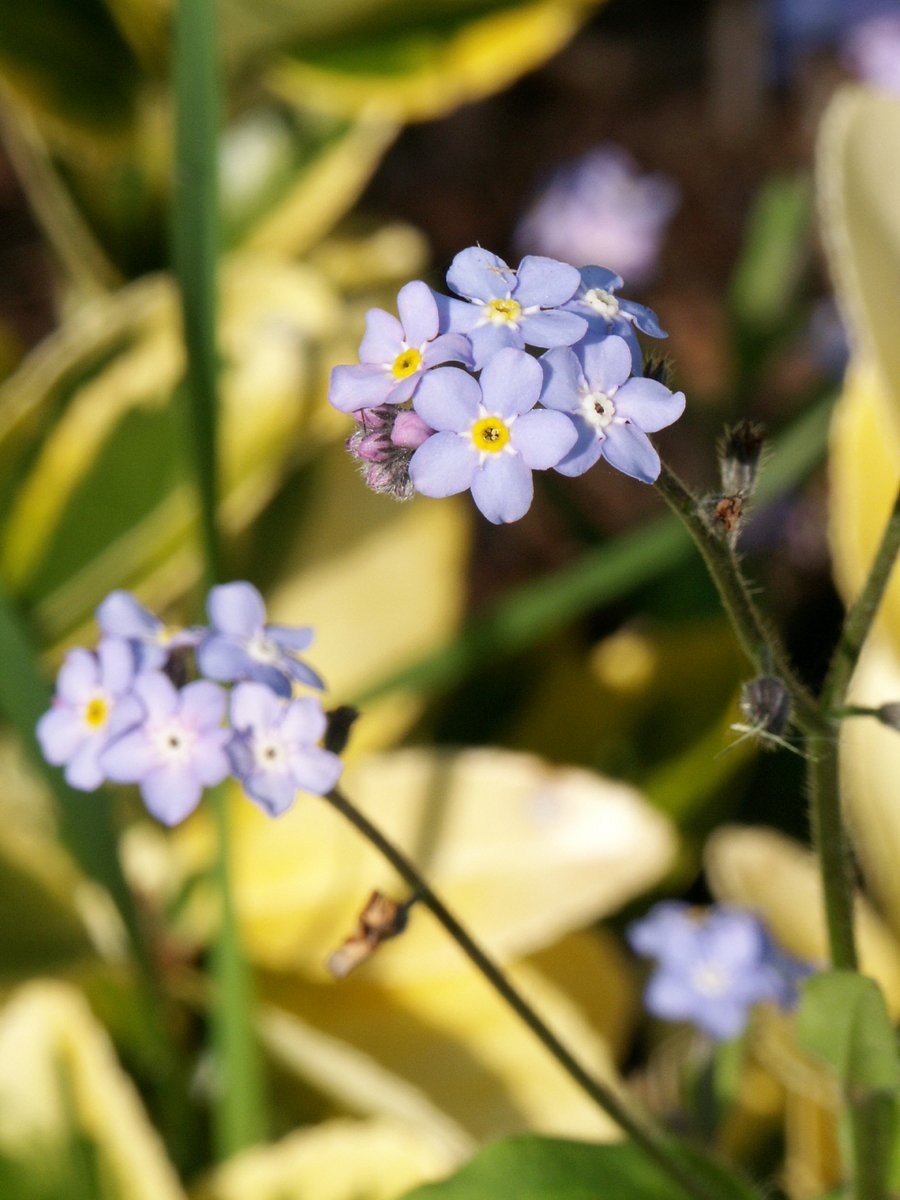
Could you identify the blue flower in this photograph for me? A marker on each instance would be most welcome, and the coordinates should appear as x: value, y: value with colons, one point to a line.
x: 601, y: 209
x: 712, y: 972
x: 241, y: 646
x: 612, y: 413
x: 488, y: 438
x: 506, y: 308
x: 92, y: 705
x: 607, y: 313
x: 121, y: 615
x: 274, y: 750
x: 395, y: 355
x: 177, y: 749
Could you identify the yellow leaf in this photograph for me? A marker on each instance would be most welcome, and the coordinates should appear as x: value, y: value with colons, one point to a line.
x: 442, y: 71
x: 523, y: 851
x: 337, y: 1160
x: 60, y: 1083
x: 774, y: 876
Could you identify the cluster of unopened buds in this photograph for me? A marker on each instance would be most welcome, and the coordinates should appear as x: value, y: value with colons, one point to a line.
x: 487, y: 423
x: 148, y: 707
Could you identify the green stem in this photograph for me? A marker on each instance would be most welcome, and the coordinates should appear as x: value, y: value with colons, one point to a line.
x: 239, y: 1115
x: 653, y: 1141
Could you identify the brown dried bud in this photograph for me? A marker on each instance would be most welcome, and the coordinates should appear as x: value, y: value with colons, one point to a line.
x: 740, y: 449
x: 381, y: 919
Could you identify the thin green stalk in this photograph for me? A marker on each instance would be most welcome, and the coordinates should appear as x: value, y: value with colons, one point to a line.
x: 655, y: 1143
x: 239, y: 1112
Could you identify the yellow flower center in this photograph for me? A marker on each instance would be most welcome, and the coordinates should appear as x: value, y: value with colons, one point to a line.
x: 406, y: 363
x: 490, y: 434
x: 96, y: 712
x: 504, y: 311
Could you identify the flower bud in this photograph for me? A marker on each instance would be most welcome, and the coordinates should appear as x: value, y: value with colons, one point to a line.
x: 740, y: 448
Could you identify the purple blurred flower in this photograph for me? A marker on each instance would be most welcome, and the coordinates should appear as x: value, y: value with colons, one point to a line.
x: 488, y: 439
x: 395, y: 355
x: 798, y: 28
x: 274, y: 750
x: 712, y: 972
x: 612, y: 413
x: 121, y: 615
x: 871, y: 49
x: 92, y: 705
x: 241, y: 646
x: 506, y: 308
x: 177, y: 750
x: 600, y: 209
x: 607, y: 313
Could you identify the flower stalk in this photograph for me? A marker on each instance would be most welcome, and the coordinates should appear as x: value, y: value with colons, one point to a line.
x: 655, y: 1143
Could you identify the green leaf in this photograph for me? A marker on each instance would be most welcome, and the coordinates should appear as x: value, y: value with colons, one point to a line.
x: 535, y: 1168
x: 843, y: 1021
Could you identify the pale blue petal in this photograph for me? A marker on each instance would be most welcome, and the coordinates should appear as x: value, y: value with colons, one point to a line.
x: 157, y: 693
x: 448, y: 347
x: 129, y: 758
x: 488, y: 340
x: 629, y: 450
x: 644, y: 318
x: 253, y: 705
x: 503, y: 488
x: 236, y: 609
x: 209, y: 762
x: 303, y: 721
x: 477, y: 274
x: 552, y: 328
x: 202, y: 704
x: 456, y: 316
x: 511, y: 383
x: 383, y: 339
x: 600, y: 277
x: 545, y: 282
x: 649, y: 404
x: 444, y: 465
x: 543, y: 438
x: 83, y: 770
x: 418, y: 313
x: 586, y: 451
x: 121, y: 615
x: 562, y: 378
x: 316, y: 770
x: 116, y: 664
x: 448, y: 398
x: 78, y: 676
x: 170, y: 794
x: 222, y: 658
x: 606, y: 364
x: 60, y: 732
x: 292, y: 638
x: 272, y: 791
x: 357, y: 387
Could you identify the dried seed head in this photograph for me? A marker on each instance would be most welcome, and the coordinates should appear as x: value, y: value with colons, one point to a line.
x: 740, y: 449
x: 381, y: 919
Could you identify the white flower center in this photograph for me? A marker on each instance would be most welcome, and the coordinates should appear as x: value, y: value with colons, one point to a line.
x: 263, y: 650
x: 173, y: 741
x: 603, y: 303
x: 269, y: 753
x: 710, y: 980
x: 598, y: 410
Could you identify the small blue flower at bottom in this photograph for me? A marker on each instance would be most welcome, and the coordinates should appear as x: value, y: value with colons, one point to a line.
x: 488, y: 438
x: 274, y: 751
x: 711, y: 972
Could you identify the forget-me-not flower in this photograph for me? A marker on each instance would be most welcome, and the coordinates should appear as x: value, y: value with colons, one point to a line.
x: 395, y: 354
x: 613, y: 411
x: 92, y: 705
x: 489, y: 436
x: 505, y: 308
x: 274, y: 751
x: 241, y: 646
x: 712, y: 972
x: 605, y: 312
x: 177, y: 750
x: 121, y: 615
x: 600, y: 208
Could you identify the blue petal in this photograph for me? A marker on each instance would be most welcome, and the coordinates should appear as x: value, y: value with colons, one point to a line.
x: 649, y: 404
x: 543, y: 438
x: 545, y: 282
x: 584, y: 453
x: 456, y: 316
x: 488, y: 340
x: 236, y: 609
x: 645, y: 318
x: 418, y: 313
x: 502, y: 488
x: 383, y: 339
x: 600, y: 277
x: 629, y: 450
x: 444, y: 465
x: 607, y: 364
x: 479, y: 275
x: 448, y: 399
x: 360, y: 386
x: 562, y: 378
x: 511, y: 383
x: 552, y: 328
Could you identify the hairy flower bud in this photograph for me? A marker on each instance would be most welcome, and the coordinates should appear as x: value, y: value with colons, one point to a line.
x: 740, y: 448
x: 383, y: 443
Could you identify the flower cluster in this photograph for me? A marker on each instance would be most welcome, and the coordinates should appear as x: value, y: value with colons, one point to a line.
x: 484, y: 425
x: 147, y: 707
x: 711, y: 972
